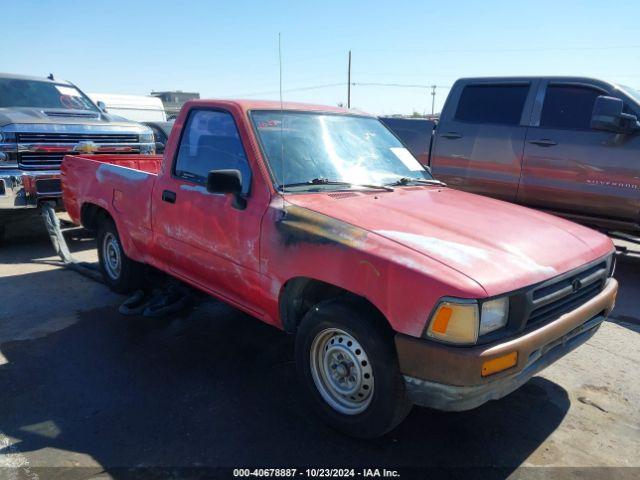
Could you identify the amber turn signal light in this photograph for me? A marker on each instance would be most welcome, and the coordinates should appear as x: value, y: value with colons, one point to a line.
x: 454, y: 323
x: 441, y: 320
x: 499, y: 364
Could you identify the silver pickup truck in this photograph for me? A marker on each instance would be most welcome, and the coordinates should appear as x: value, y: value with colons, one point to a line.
x: 42, y: 120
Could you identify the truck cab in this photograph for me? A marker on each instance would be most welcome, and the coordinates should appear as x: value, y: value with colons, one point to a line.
x: 532, y: 140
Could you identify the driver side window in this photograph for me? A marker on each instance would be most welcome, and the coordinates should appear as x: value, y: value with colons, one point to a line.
x: 568, y: 107
x: 210, y: 141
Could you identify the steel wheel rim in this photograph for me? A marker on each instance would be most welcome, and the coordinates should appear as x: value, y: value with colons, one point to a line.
x: 341, y: 371
x: 112, y: 256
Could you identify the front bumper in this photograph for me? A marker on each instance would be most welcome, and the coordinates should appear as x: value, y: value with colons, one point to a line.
x: 449, y: 378
x: 21, y: 189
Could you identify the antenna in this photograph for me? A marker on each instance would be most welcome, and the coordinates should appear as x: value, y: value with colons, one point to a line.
x: 281, y: 119
x: 349, y: 82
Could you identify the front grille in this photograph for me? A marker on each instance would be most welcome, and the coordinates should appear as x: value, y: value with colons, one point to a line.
x: 555, y: 298
x: 40, y: 160
x: 31, y: 159
x: 48, y: 160
x: 76, y: 137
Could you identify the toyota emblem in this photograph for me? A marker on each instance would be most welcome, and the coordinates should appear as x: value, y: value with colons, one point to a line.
x: 576, y: 285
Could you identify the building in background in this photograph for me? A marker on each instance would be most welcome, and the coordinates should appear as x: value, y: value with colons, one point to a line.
x: 174, y: 100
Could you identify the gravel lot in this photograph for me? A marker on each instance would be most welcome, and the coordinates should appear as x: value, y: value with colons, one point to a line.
x: 82, y: 386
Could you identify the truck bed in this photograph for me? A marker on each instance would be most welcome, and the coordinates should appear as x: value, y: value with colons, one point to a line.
x: 145, y: 163
x: 121, y: 182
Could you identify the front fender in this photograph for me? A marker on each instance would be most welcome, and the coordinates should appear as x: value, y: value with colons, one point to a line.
x: 401, y: 283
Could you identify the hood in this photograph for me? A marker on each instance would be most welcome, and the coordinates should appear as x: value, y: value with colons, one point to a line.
x: 500, y: 245
x: 52, y: 116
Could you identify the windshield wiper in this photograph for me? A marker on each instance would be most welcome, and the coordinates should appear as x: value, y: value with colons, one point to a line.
x: 407, y: 181
x: 315, y: 181
x: 326, y: 181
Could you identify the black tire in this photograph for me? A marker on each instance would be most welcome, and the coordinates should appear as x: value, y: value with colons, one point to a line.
x: 130, y: 274
x: 388, y: 403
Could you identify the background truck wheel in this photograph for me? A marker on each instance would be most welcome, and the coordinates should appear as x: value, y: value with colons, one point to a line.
x: 346, y: 360
x: 120, y: 273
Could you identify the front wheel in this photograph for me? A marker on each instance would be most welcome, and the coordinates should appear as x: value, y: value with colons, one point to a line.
x: 120, y: 273
x: 347, y: 362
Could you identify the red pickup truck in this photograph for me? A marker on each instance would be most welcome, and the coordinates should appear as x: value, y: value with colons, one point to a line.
x: 319, y: 222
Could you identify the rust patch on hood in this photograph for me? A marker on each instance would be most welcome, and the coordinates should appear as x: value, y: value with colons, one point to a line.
x: 299, y: 224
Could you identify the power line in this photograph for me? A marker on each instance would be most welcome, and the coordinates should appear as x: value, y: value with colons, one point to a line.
x: 431, y: 87
x: 408, y: 85
x: 398, y: 85
x: 289, y: 90
x: 331, y: 85
x: 497, y: 50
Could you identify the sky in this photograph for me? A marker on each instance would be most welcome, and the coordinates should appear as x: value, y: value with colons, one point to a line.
x: 229, y: 49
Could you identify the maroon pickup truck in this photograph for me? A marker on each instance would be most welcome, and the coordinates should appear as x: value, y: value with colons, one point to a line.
x: 567, y: 145
x: 318, y: 221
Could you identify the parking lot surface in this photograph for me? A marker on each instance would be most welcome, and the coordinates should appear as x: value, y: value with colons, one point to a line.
x: 83, y: 386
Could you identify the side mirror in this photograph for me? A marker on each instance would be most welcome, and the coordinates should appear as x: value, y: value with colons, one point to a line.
x: 159, y: 147
x: 227, y: 182
x: 224, y: 181
x: 102, y: 106
x: 608, y: 115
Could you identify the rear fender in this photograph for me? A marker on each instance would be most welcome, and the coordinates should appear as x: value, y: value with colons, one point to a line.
x: 100, y: 211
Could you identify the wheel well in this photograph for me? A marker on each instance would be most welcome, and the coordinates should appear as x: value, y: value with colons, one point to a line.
x: 301, y: 293
x: 91, y: 215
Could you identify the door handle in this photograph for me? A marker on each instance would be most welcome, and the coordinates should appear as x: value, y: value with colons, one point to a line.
x: 169, y: 196
x: 543, y: 142
x: 451, y: 135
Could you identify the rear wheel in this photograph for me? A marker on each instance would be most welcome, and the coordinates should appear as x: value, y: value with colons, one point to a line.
x: 120, y: 272
x: 347, y: 361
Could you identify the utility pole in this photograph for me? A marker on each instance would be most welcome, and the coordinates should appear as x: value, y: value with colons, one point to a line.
x: 349, y: 82
x: 433, y: 99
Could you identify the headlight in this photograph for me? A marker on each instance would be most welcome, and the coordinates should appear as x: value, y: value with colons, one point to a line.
x: 462, y: 321
x: 8, y: 149
x: 495, y: 314
x: 455, y: 322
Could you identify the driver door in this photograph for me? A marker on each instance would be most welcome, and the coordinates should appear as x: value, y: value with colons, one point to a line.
x: 218, y: 240
x: 569, y: 167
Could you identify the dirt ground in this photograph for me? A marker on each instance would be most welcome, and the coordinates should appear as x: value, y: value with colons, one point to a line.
x: 82, y: 386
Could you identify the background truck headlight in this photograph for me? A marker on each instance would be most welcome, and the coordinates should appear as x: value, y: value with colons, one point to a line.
x: 8, y: 150
x: 454, y: 322
x: 147, y: 137
x: 494, y: 315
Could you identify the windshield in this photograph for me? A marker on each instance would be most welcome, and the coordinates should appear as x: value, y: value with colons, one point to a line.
x: 632, y: 92
x: 306, y: 147
x: 35, y: 94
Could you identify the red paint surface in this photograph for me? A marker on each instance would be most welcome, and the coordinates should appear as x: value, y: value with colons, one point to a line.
x: 401, y: 250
